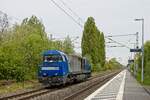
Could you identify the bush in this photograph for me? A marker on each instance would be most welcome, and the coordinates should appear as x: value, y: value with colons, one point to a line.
x: 20, y: 52
x: 146, y: 64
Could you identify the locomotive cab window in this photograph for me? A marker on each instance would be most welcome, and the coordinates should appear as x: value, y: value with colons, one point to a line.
x: 63, y: 57
x: 53, y: 58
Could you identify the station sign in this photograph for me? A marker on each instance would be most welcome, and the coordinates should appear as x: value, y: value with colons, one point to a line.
x: 135, y: 50
x: 131, y: 61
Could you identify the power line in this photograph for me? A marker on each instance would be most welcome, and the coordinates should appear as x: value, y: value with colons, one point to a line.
x: 120, y: 35
x: 113, y: 46
x: 72, y: 18
x: 79, y: 18
x: 118, y: 43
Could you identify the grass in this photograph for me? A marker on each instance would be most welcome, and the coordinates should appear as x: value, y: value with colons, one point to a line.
x: 18, y: 86
x: 103, y: 71
x: 146, y: 79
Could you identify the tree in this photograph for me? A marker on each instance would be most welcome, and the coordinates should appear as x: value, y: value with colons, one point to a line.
x: 89, y: 40
x: 113, y: 64
x: 20, y: 55
x: 68, y: 47
x: 146, y: 64
x: 93, y: 43
x: 4, y: 23
x: 102, y: 49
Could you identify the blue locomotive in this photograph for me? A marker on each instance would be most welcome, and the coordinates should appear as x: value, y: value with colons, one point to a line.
x: 57, y: 68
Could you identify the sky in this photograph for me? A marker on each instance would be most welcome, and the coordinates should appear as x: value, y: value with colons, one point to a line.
x: 113, y: 17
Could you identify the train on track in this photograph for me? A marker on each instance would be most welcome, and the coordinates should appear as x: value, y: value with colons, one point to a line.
x: 58, y: 68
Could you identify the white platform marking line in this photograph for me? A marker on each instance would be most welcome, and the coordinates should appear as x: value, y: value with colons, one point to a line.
x: 101, y: 88
x: 121, y: 90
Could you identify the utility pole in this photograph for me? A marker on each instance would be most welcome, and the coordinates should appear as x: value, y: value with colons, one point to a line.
x: 137, y: 46
x: 142, y: 72
x: 137, y: 40
x: 51, y: 36
x: 135, y: 53
x: 136, y: 43
x: 142, y: 50
x: 134, y: 60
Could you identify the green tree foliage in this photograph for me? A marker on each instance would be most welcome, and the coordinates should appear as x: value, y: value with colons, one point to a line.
x: 20, y: 52
x: 113, y: 64
x: 102, y: 49
x: 68, y: 47
x: 4, y: 24
x: 146, y: 64
x: 93, y: 43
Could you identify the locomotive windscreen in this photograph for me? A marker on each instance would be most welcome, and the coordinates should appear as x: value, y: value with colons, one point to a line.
x: 52, y: 58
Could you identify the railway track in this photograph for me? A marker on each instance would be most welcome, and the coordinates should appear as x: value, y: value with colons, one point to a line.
x: 41, y: 91
x: 28, y: 95
x: 97, y: 84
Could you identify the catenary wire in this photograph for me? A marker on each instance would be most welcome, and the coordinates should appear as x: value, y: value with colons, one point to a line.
x: 72, y: 18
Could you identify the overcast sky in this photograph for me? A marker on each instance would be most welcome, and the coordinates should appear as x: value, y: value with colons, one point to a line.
x: 113, y: 17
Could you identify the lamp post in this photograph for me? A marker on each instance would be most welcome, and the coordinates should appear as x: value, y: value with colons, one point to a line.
x: 142, y: 73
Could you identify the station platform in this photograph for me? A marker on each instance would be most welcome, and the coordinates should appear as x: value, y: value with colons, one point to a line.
x: 122, y: 87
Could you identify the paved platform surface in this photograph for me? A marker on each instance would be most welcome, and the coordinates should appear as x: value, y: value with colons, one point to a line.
x: 133, y: 90
x: 147, y: 88
x: 122, y: 87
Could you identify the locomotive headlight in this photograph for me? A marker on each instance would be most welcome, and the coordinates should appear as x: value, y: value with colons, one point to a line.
x: 44, y: 74
x: 56, y: 74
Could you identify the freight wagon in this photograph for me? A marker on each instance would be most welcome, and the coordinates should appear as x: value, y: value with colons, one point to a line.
x: 58, y: 68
